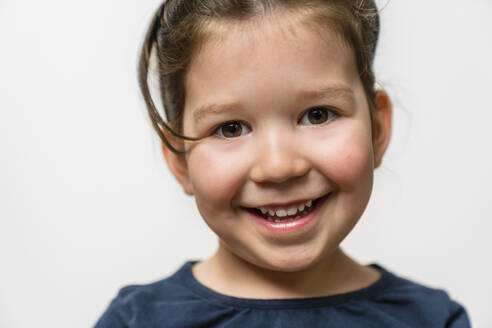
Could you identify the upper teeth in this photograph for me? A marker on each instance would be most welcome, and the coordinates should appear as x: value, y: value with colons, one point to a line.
x: 282, y: 212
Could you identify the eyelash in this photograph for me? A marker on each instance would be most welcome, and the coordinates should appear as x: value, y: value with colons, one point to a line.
x: 326, y: 110
x: 217, y: 130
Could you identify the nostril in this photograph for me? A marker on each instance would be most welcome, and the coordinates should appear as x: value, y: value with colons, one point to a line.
x: 279, y: 171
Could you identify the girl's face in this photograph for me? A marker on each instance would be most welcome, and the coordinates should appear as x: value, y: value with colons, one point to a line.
x: 289, y: 133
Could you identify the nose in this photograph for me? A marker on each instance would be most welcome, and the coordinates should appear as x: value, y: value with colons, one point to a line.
x: 279, y: 158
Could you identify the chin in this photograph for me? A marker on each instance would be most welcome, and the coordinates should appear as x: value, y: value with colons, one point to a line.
x: 290, y: 262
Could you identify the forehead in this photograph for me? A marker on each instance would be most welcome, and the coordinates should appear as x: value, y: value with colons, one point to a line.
x: 265, y: 58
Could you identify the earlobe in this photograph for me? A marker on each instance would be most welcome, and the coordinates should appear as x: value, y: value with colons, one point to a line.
x: 381, y: 130
x: 177, y: 165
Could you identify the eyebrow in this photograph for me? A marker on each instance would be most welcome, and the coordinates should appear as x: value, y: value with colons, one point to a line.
x: 329, y: 93
x: 214, y: 109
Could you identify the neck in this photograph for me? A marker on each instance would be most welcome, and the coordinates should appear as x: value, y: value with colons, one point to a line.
x: 231, y: 275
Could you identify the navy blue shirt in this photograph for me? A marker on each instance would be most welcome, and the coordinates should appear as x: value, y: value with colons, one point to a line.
x: 181, y: 301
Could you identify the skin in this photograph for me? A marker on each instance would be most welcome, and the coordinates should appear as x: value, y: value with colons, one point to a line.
x: 266, y: 74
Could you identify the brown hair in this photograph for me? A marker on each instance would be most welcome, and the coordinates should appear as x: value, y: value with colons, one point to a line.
x: 179, y: 27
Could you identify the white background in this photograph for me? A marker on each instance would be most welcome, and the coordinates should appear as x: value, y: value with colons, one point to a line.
x: 87, y: 204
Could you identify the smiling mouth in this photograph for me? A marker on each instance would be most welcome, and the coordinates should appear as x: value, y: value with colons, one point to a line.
x: 283, y: 214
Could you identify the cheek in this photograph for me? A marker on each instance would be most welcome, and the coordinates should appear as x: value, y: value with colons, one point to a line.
x: 216, y: 177
x: 348, y: 164
x: 348, y: 160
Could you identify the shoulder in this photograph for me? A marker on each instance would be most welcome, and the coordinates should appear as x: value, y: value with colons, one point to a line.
x: 429, y: 307
x: 142, y: 305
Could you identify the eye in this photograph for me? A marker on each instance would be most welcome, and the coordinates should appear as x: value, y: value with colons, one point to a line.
x: 232, y: 129
x: 317, y: 115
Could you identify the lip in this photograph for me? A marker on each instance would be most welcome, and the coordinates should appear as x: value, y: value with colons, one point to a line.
x: 283, y: 227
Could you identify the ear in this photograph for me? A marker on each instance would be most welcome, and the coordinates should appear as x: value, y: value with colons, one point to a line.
x: 381, y: 126
x: 177, y: 165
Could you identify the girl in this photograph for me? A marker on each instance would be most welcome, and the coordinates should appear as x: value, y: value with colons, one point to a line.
x: 275, y: 127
